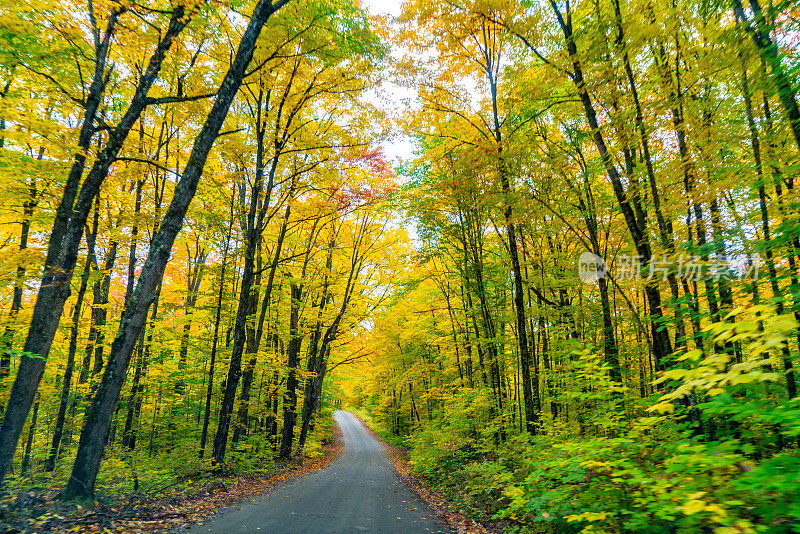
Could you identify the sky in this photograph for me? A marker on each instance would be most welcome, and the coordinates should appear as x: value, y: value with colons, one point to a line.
x: 400, y: 146
x: 382, y: 7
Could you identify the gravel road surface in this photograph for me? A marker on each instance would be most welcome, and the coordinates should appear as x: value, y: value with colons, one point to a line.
x: 358, y: 492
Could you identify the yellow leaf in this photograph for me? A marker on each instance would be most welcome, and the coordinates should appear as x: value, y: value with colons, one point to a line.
x: 693, y: 506
x: 666, y: 407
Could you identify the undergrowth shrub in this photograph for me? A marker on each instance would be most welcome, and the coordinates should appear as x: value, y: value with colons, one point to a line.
x: 654, y: 466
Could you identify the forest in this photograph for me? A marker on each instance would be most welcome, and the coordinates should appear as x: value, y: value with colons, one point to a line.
x: 575, y: 303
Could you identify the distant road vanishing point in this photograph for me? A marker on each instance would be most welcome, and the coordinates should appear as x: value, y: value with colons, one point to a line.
x: 358, y: 492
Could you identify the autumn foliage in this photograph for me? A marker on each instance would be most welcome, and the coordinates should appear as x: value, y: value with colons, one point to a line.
x: 195, y: 229
x: 576, y: 303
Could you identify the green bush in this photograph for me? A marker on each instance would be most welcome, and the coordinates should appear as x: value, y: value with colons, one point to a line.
x: 727, y: 465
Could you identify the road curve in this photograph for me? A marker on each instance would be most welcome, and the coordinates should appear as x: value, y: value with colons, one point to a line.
x: 358, y: 492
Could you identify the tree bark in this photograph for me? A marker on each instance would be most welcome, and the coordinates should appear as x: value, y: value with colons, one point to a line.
x: 662, y: 346
x: 292, y: 362
x: 129, y: 432
x: 26, y: 461
x: 58, y: 431
x: 215, y: 339
x: 67, y: 232
x: 95, y: 432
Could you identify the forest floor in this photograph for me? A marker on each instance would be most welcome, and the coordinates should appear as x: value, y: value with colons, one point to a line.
x: 142, y: 512
x: 446, y: 510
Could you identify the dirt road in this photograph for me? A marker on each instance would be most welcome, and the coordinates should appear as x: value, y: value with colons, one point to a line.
x: 358, y: 492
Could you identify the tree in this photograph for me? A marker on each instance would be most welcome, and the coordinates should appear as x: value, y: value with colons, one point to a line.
x: 95, y: 432
x: 71, y: 216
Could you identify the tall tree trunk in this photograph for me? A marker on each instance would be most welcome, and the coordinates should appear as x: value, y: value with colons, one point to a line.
x: 788, y: 365
x: 194, y: 277
x: 134, y: 241
x: 67, y: 232
x: 529, y: 394
x: 95, y: 431
x: 253, y: 226
x: 315, y: 362
x: 629, y: 205
x: 26, y: 460
x: 129, y: 431
x: 215, y: 339
x: 99, y: 309
x: 251, y: 349
x: 292, y: 362
x: 664, y: 224
x: 239, y: 341
x: 313, y: 389
x: 58, y: 431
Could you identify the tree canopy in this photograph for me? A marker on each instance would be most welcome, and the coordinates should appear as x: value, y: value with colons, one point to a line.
x: 576, y: 303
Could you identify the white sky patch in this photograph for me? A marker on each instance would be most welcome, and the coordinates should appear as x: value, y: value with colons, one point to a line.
x: 397, y: 100
x: 390, y: 96
x: 383, y: 7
